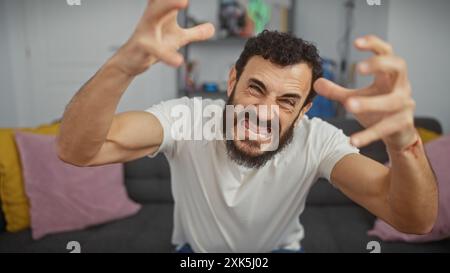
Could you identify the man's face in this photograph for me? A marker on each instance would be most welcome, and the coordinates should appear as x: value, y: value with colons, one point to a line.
x: 263, y: 83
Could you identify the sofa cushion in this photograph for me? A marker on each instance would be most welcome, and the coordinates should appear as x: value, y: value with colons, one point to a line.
x: 149, y: 190
x: 149, y: 231
x: 148, y: 180
x: 343, y: 229
x: 64, y: 197
x: 146, y: 167
x: 375, y: 151
x: 323, y: 193
x: 427, y: 135
x: 12, y: 193
x: 430, y: 124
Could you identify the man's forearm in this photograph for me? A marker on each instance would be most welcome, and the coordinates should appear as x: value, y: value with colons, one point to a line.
x: 89, y: 115
x: 413, y: 191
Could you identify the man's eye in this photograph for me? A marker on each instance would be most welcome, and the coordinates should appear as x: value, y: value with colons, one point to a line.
x: 288, y: 102
x: 256, y: 88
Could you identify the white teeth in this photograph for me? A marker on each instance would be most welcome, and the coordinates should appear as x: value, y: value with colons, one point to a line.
x: 255, y: 132
x: 259, y: 132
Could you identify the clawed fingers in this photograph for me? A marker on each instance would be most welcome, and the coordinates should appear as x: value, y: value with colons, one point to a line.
x: 169, y: 56
x: 386, y: 107
x: 333, y: 91
x: 194, y: 34
x: 330, y: 90
x: 385, y: 128
x: 161, y: 34
x: 384, y: 64
x: 198, y: 33
x: 392, y: 102
x: 374, y: 44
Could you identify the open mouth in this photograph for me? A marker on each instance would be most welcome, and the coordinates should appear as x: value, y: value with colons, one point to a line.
x: 255, y: 132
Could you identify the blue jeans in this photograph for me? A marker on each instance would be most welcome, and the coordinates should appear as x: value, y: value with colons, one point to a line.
x: 187, y: 249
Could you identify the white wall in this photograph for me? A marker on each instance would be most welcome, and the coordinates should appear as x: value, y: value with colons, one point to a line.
x: 323, y: 22
x: 318, y: 21
x: 50, y: 49
x: 419, y: 31
x: 8, y: 112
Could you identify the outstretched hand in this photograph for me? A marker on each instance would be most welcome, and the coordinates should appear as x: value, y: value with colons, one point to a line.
x: 158, y: 37
x: 385, y: 108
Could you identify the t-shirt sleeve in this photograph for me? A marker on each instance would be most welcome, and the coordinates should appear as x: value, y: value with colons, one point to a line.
x: 335, y: 146
x: 163, y: 112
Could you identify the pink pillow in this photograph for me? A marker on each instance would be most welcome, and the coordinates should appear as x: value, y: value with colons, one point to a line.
x: 66, y: 198
x: 438, y: 152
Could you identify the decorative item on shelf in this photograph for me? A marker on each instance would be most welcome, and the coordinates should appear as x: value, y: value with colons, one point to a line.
x: 191, y: 76
x: 284, y: 19
x: 232, y: 17
x: 260, y: 13
x: 249, y: 28
x: 210, y: 87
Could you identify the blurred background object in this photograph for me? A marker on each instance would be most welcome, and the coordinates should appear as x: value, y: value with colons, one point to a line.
x: 260, y: 13
x: 233, y: 17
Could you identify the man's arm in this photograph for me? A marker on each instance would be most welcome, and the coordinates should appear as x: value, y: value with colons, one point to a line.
x: 404, y: 195
x: 91, y: 133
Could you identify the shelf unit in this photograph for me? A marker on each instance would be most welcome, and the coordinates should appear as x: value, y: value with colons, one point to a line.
x: 217, y: 46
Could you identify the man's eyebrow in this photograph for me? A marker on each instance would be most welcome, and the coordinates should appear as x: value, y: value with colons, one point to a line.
x: 259, y: 83
x: 292, y: 95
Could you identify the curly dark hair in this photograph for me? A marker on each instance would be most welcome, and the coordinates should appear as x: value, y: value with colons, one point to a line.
x: 283, y: 49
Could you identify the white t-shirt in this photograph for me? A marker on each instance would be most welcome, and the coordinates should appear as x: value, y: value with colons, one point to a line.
x: 223, y: 207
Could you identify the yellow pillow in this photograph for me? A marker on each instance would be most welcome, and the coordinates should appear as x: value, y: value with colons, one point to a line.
x: 427, y: 135
x: 12, y: 192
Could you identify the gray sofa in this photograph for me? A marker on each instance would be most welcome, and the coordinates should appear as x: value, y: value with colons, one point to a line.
x: 332, y: 222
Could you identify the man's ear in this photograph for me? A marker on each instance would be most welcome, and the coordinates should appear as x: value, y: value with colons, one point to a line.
x: 231, y: 81
x: 305, y: 110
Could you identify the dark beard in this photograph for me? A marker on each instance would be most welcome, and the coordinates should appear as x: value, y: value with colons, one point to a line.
x: 244, y: 159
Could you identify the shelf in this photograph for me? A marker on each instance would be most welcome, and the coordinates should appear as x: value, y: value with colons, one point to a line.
x: 205, y: 95
x: 213, y: 41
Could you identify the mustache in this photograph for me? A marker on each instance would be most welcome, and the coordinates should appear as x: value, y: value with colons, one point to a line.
x: 265, y: 123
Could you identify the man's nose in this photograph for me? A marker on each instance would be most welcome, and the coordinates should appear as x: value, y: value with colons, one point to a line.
x: 267, y: 111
